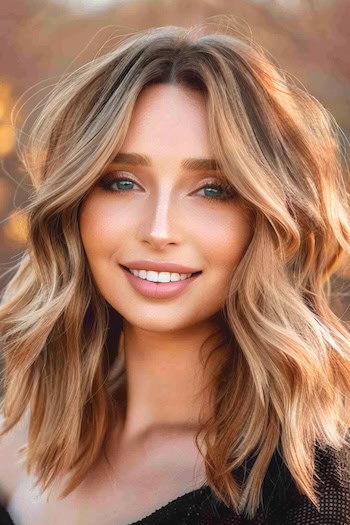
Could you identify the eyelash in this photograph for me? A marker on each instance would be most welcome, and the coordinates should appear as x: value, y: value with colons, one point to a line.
x: 107, y: 182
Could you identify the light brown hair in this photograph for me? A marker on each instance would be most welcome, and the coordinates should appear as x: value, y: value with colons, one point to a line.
x: 286, y: 382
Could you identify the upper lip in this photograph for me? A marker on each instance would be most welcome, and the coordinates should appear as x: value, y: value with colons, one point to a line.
x: 160, y: 266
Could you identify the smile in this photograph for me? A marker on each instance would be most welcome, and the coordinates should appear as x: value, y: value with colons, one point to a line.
x: 159, y: 285
x: 160, y: 277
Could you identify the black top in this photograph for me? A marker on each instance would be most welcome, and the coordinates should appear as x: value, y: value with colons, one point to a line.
x: 282, y: 503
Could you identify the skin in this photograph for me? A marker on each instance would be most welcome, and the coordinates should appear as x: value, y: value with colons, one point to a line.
x: 164, y: 216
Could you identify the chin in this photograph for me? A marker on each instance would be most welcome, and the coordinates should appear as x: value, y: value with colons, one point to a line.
x: 161, y: 324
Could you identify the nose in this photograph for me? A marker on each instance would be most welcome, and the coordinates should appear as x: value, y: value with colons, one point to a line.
x: 159, y: 221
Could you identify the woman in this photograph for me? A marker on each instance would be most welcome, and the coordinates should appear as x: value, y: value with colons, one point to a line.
x: 170, y: 354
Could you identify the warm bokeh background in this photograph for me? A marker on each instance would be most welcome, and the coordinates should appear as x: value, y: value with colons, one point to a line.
x: 42, y: 39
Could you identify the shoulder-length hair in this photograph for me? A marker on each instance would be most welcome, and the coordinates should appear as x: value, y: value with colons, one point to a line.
x: 286, y: 383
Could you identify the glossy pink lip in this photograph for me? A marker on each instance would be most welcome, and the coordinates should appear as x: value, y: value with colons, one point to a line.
x: 158, y: 290
x: 158, y: 266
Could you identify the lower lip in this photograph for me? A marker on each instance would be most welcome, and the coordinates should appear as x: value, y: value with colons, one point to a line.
x: 158, y: 290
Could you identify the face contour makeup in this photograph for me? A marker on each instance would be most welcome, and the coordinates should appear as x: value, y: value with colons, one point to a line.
x: 151, y: 205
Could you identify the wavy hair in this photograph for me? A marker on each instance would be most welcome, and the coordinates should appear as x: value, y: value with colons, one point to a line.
x: 286, y: 380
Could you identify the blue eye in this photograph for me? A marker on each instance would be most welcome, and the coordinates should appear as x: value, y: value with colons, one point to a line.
x: 225, y: 191
x: 122, y: 183
x: 217, y: 191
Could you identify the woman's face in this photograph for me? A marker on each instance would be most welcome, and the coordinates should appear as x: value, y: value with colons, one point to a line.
x: 162, y: 213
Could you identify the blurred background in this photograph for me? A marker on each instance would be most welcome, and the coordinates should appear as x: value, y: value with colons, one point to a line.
x: 42, y: 39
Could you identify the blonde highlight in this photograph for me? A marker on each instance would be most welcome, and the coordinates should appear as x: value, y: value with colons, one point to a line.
x: 285, y: 385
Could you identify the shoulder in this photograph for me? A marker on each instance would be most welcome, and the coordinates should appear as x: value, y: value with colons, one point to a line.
x: 332, y: 485
x: 10, y: 458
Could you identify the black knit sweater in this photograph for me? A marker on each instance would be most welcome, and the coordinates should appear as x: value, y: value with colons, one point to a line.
x: 282, y: 504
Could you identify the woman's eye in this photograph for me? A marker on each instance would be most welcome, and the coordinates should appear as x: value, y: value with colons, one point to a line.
x: 120, y: 183
x: 222, y: 192
x: 212, y: 190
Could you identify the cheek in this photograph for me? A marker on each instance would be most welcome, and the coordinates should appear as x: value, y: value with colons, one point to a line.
x: 102, y: 227
x: 226, y: 238
x: 220, y: 235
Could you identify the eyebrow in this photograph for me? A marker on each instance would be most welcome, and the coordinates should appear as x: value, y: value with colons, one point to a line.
x: 136, y: 159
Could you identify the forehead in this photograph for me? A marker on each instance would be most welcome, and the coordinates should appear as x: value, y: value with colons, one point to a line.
x: 169, y: 120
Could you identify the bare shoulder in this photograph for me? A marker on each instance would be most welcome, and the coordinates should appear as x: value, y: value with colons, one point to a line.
x: 10, y: 458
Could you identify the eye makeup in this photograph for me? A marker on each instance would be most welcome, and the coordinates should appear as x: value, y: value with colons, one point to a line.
x: 116, y: 178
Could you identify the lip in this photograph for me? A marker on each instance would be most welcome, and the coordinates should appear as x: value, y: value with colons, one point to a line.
x: 158, y: 266
x: 158, y: 290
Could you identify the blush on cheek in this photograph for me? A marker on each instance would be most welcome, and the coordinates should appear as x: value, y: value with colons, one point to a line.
x: 229, y: 244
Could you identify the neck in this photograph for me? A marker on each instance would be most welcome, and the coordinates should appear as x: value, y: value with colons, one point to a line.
x: 168, y: 377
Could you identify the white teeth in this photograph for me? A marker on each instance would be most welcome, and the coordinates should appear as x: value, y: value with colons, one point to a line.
x: 160, y: 277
